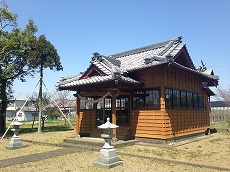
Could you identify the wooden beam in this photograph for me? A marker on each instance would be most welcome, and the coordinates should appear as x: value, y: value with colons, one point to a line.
x: 101, y: 93
x: 77, y: 130
x: 114, y: 116
x: 124, y: 93
x: 93, y: 94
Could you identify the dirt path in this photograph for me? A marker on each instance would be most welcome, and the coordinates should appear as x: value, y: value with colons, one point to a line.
x: 37, y: 156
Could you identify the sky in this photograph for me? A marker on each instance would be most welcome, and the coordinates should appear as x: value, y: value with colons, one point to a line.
x: 78, y: 28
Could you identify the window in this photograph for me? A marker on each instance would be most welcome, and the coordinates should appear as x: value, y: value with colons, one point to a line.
x: 104, y: 110
x: 195, y: 101
x: 122, y: 110
x: 183, y: 99
x: 84, y: 105
x: 148, y: 98
x: 183, y: 96
x: 138, y: 99
x: 176, y: 99
x: 190, y: 100
x: 169, y: 98
x: 201, y: 101
x: 172, y: 98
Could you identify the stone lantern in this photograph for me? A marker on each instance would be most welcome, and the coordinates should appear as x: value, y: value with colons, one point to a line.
x: 108, y: 157
x: 15, y: 141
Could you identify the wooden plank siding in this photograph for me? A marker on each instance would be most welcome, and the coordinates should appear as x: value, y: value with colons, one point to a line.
x: 169, y: 123
x: 147, y: 123
x: 87, y: 125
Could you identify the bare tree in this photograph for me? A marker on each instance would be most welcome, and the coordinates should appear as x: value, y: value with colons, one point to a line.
x: 224, y: 94
x: 35, y: 100
x: 65, y: 101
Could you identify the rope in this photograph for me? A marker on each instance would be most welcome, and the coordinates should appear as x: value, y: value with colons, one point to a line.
x: 19, y: 110
x: 58, y: 106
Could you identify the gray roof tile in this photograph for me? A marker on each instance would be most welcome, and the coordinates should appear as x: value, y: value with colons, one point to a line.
x: 94, y: 79
x: 128, y: 61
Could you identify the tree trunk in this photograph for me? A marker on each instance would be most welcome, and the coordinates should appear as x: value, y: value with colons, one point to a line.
x: 43, y: 122
x: 33, y: 123
x: 65, y: 119
x: 40, y: 101
x: 2, y: 123
x: 3, y: 106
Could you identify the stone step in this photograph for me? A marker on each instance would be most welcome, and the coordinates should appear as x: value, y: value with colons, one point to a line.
x: 89, y: 142
x: 82, y: 146
x: 84, y: 142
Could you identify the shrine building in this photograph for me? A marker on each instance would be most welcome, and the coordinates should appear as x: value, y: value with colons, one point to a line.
x: 152, y: 92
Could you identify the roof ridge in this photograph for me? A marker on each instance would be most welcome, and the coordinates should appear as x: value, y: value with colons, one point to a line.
x: 147, y: 48
x: 107, y: 62
x: 113, y: 61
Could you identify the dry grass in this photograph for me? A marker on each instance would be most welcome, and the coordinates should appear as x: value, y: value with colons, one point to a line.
x: 30, y: 148
x: 83, y: 161
x: 49, y: 137
x: 213, y: 151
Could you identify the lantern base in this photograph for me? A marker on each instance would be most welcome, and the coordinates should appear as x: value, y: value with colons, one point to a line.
x: 108, y: 159
x: 108, y: 166
x: 15, y: 143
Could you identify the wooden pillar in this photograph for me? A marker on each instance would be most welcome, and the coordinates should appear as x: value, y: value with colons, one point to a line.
x: 114, y: 116
x: 77, y: 129
x: 162, y: 90
x: 162, y: 102
x: 162, y: 99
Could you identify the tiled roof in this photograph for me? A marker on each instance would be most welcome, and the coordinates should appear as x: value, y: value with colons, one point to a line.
x: 139, y: 58
x: 70, y: 82
x: 125, y: 62
x: 158, y: 47
x: 214, y: 77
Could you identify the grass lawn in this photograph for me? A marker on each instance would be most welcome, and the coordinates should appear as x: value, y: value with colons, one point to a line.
x: 221, y: 125
x: 213, y: 151
x: 50, y: 126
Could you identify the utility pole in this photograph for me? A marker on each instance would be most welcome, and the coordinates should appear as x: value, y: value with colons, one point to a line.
x: 40, y: 100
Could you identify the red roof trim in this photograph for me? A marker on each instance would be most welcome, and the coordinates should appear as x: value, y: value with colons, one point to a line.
x: 92, y: 71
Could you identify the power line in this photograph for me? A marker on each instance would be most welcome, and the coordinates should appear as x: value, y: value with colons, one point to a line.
x: 214, y: 66
x: 218, y: 66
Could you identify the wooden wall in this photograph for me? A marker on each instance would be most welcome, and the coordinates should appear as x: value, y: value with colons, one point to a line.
x: 87, y: 121
x: 148, y: 124
x: 169, y: 123
x: 163, y: 123
x: 185, y: 122
x: 87, y: 124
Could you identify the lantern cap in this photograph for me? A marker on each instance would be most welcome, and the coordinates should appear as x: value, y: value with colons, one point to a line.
x: 16, y: 123
x: 108, y: 125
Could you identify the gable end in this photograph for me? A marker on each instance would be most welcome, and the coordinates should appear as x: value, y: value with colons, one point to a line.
x: 92, y: 71
x: 183, y: 58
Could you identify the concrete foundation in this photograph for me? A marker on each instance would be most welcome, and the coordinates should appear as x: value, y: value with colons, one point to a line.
x: 15, y: 143
x: 108, y: 159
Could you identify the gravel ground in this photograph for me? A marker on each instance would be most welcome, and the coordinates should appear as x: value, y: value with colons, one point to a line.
x: 213, y: 151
